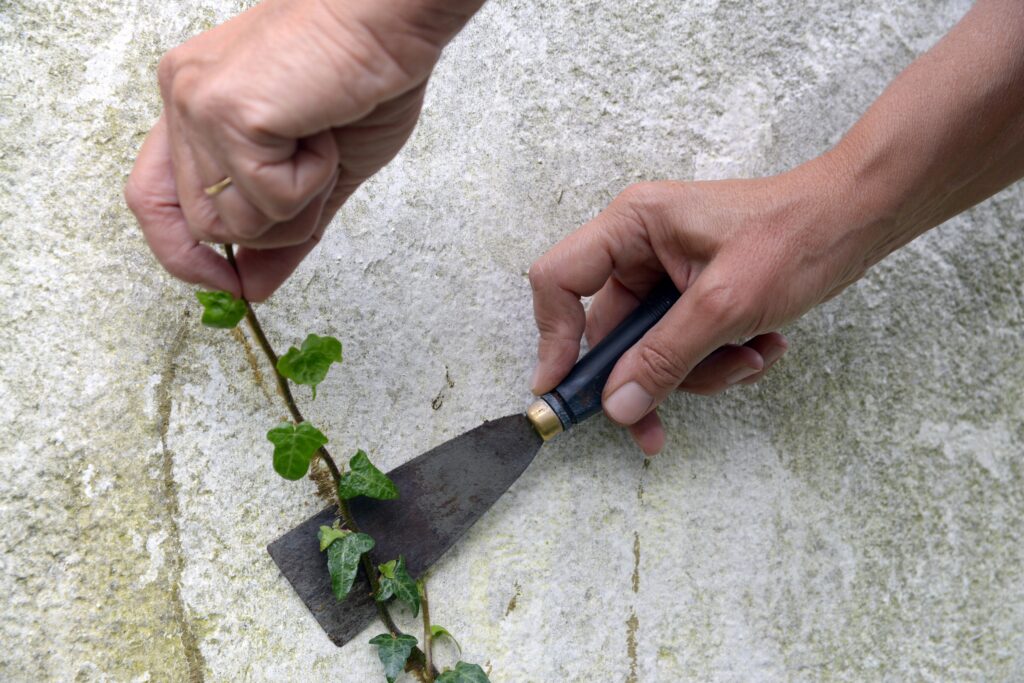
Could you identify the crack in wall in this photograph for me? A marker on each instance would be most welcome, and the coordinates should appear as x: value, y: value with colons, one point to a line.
x: 632, y: 624
x: 515, y: 599
x: 176, y: 556
x: 636, y: 561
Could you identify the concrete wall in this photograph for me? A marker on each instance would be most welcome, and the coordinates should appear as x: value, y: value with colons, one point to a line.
x: 856, y: 517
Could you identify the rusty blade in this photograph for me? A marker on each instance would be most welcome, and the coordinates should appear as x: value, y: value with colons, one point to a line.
x: 441, y: 494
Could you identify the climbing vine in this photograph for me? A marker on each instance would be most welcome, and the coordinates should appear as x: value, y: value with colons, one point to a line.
x: 297, y: 448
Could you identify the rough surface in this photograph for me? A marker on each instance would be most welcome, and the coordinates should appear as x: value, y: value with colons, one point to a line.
x: 857, y: 517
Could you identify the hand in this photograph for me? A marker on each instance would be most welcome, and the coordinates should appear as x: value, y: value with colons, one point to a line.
x: 298, y: 102
x: 747, y: 255
x: 751, y: 255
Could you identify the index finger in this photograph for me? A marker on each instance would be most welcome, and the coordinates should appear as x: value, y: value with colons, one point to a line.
x: 152, y: 196
x: 579, y: 266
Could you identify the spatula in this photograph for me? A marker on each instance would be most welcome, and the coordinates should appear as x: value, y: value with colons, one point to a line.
x: 445, y: 490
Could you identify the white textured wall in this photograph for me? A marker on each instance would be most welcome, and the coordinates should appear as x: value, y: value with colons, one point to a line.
x: 856, y: 517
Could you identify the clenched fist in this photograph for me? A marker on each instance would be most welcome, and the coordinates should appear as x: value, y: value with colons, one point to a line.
x: 296, y: 102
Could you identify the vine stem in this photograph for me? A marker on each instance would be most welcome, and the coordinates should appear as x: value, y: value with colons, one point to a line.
x: 428, y: 638
x: 293, y: 408
x: 282, y: 381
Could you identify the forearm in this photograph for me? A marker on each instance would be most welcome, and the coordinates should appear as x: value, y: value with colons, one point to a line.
x: 945, y: 135
x: 412, y: 32
x: 440, y: 19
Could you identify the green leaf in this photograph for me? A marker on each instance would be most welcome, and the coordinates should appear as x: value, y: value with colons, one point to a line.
x: 441, y: 632
x: 330, y: 534
x: 387, y: 570
x: 393, y: 651
x: 221, y: 309
x: 364, y: 479
x: 343, y: 561
x: 309, y: 365
x: 464, y: 673
x: 400, y: 584
x: 294, y: 447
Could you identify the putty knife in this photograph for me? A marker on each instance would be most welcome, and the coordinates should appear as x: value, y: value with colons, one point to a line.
x: 445, y: 490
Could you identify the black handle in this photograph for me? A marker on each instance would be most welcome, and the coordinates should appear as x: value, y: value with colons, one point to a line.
x: 579, y: 395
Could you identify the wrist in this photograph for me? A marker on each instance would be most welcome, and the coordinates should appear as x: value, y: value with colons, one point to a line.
x: 867, y: 205
x: 437, y: 20
x: 413, y: 29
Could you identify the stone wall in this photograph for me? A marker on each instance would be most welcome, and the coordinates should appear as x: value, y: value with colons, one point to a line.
x: 856, y: 517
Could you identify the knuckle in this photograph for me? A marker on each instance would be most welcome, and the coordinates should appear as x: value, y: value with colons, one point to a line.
x: 723, y: 303
x: 662, y: 365
x: 240, y: 232
x: 253, y: 119
x: 166, y: 69
x: 539, y: 274
x: 551, y: 329
x: 199, y: 103
x: 209, y: 228
x: 182, y: 90
x: 181, y: 98
x: 648, y: 195
x: 281, y: 204
x: 247, y: 229
x: 141, y: 202
x: 133, y: 196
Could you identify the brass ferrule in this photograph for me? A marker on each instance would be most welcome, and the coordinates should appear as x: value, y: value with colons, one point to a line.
x: 544, y: 419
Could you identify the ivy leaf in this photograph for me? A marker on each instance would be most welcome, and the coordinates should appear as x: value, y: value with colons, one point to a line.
x: 393, y: 651
x: 330, y: 534
x: 309, y: 365
x: 294, y: 446
x: 387, y: 570
x: 343, y: 560
x: 221, y: 309
x: 396, y: 581
x: 364, y: 479
x: 464, y: 673
x: 441, y: 632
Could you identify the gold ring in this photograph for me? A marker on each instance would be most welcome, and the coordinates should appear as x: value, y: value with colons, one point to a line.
x: 218, y: 187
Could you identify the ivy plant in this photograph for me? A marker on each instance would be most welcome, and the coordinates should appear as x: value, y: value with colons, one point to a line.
x: 463, y: 673
x: 394, y: 651
x: 364, y: 479
x: 395, y: 581
x: 221, y: 309
x: 344, y: 551
x: 296, y: 445
x: 309, y: 364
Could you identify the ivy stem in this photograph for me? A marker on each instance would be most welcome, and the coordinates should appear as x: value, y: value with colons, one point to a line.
x: 369, y: 570
x: 428, y: 638
x: 282, y: 382
x: 293, y: 408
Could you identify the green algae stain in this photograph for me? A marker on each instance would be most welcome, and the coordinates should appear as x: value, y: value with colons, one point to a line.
x: 892, y: 440
x: 120, y: 588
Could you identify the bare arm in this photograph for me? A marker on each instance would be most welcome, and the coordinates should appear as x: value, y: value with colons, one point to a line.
x: 752, y: 255
x: 945, y: 135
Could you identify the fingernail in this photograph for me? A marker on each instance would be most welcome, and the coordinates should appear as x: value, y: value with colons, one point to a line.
x: 740, y: 374
x: 773, y: 354
x: 628, y: 404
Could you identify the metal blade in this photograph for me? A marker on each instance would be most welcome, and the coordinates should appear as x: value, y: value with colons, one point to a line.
x: 441, y: 494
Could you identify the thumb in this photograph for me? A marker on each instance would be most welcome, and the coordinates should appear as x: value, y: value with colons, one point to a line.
x: 707, y: 315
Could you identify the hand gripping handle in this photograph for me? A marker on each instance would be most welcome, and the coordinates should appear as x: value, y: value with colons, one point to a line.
x: 579, y: 395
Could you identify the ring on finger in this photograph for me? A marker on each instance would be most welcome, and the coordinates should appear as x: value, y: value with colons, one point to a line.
x: 218, y: 187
